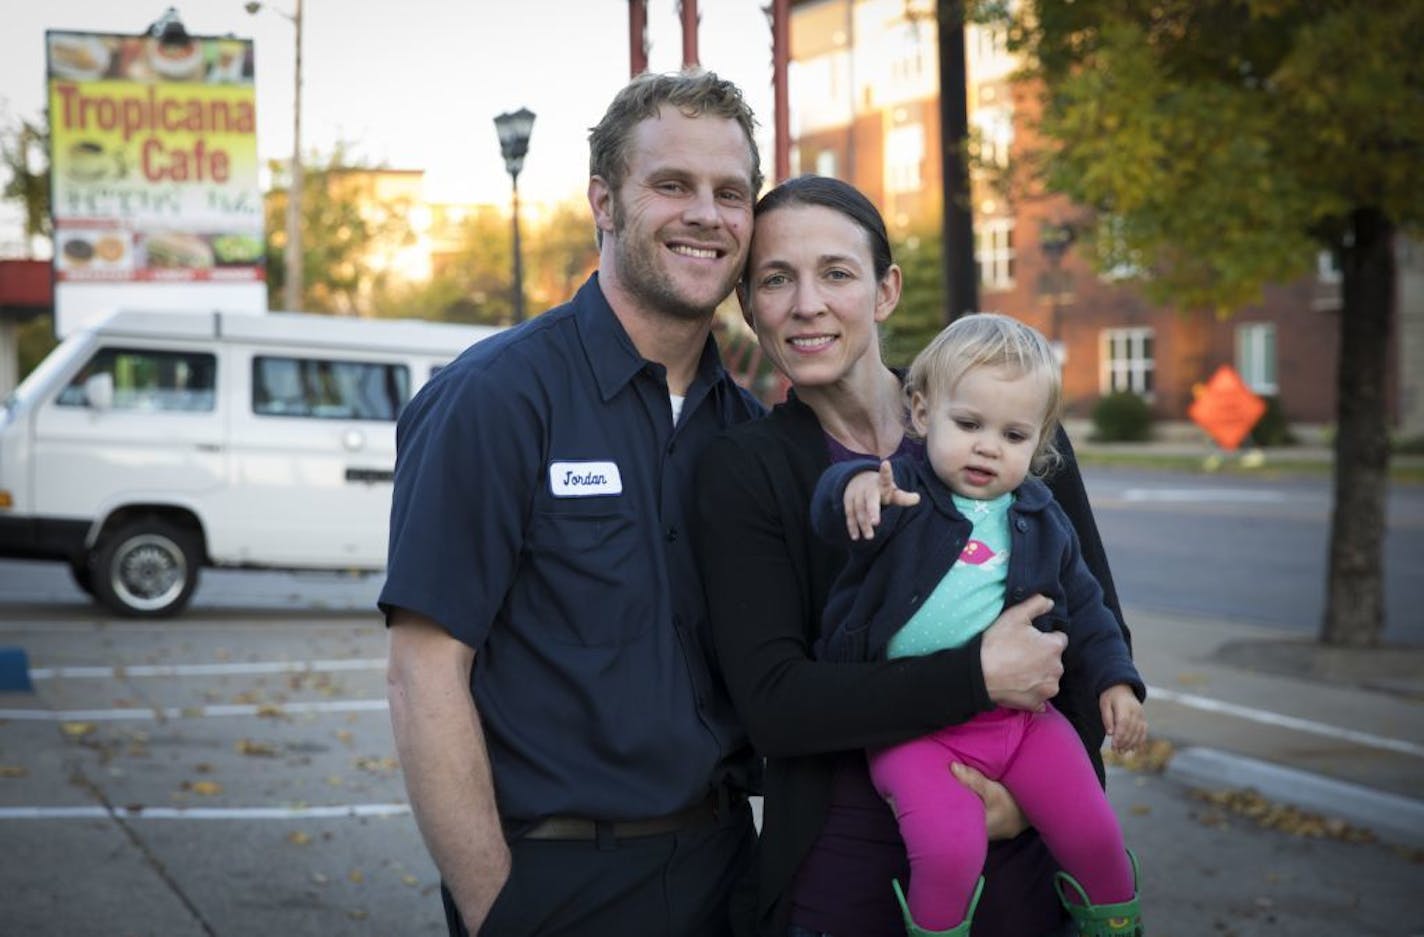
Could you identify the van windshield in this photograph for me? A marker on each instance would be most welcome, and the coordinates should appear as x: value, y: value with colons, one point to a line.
x: 44, y: 374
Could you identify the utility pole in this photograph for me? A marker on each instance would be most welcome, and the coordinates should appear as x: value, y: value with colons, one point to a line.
x: 961, y: 275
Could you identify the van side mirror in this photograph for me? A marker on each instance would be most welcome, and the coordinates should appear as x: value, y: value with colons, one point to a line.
x: 99, y: 391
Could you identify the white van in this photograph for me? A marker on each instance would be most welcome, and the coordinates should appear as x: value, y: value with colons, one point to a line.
x: 155, y: 443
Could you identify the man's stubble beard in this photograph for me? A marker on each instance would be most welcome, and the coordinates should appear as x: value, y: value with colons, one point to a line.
x: 639, y: 273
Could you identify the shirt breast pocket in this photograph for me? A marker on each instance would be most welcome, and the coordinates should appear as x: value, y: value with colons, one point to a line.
x: 592, y: 585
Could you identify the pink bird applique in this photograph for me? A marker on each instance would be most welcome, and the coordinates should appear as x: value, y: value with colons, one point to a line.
x: 976, y: 553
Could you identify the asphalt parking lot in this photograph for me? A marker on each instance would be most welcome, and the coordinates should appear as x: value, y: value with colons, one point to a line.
x: 231, y: 774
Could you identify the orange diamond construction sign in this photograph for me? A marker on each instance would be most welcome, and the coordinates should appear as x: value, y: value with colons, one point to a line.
x: 1226, y: 408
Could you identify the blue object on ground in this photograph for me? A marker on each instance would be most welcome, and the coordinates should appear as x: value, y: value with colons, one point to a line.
x: 14, y: 671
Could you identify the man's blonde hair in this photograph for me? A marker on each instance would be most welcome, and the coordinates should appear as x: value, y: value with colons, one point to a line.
x: 990, y: 340
x: 694, y: 92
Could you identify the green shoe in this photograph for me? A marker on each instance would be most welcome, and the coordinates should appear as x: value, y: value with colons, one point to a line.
x: 1123, y: 919
x: 962, y: 930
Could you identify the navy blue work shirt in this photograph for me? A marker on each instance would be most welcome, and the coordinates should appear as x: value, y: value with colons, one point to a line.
x: 540, y: 516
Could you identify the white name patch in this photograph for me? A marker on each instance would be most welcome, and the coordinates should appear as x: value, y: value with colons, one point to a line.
x: 582, y: 479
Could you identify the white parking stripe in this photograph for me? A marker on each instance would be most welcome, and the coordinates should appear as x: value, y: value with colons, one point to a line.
x: 1192, y: 495
x: 205, y: 813
x: 194, y: 712
x: 235, y: 668
x: 1286, y: 722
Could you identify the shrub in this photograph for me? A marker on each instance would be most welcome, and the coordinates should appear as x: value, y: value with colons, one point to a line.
x: 1122, y: 417
x: 1273, y: 429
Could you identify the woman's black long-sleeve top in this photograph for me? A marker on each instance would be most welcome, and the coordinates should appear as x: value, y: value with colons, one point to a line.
x: 767, y: 577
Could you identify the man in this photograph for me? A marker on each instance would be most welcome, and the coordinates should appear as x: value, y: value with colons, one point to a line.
x: 572, y: 764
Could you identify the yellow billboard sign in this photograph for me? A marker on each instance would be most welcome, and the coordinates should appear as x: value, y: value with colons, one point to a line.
x: 154, y: 159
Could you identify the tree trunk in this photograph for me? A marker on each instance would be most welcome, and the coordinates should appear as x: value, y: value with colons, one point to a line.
x: 1354, y: 604
x: 961, y: 273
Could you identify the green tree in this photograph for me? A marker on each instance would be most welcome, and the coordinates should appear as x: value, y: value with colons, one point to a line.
x: 920, y: 314
x: 481, y: 268
x: 24, y: 149
x: 1222, y: 143
x: 560, y: 254
x: 346, y: 224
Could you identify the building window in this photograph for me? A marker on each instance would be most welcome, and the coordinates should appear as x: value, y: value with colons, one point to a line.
x: 1256, y: 356
x: 994, y: 251
x: 904, y: 155
x: 826, y: 163
x: 992, y: 135
x: 1327, y: 267
x: 1125, y: 361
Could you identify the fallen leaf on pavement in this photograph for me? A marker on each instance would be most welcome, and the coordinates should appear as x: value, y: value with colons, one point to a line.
x: 356, y: 876
x: 1151, y: 758
x: 377, y: 765
x: 14, y: 771
x: 410, y: 880
x: 1267, y: 814
x: 298, y: 838
x: 77, y: 730
x: 270, y: 711
x: 256, y: 749
x: 205, y: 788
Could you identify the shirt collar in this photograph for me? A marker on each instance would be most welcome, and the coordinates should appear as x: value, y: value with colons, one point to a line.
x: 611, y: 354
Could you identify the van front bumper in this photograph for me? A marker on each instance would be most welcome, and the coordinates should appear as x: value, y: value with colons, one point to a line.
x: 42, y: 538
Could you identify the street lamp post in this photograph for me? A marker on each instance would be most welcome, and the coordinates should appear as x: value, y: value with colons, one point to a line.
x: 292, y: 290
x: 514, y: 129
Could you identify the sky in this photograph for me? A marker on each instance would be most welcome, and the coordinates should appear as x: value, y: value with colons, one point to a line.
x: 416, y: 84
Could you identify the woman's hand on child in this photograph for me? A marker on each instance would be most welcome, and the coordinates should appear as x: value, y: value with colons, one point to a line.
x: 1002, y: 815
x: 866, y: 493
x: 1123, y: 717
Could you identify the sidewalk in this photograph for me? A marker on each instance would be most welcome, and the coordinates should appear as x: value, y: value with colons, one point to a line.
x: 1182, y: 442
x: 1339, y: 732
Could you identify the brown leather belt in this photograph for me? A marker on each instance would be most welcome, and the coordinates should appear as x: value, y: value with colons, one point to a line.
x: 699, y: 815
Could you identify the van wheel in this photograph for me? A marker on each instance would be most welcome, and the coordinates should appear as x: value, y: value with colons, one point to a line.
x: 83, y: 575
x: 146, y: 569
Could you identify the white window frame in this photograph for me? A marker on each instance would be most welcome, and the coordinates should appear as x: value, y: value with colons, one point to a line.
x: 1256, y: 356
x: 994, y: 253
x: 1135, y: 368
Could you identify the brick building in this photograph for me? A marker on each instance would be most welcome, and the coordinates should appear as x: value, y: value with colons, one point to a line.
x: 864, y: 97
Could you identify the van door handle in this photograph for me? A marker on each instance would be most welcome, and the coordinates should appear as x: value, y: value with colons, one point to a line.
x: 209, y: 447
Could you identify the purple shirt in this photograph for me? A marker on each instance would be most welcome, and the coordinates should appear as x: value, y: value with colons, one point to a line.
x: 843, y: 885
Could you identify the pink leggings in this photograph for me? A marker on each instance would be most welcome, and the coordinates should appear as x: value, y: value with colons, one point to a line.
x: 1041, y: 760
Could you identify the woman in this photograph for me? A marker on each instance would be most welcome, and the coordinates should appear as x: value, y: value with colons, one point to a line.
x: 819, y: 279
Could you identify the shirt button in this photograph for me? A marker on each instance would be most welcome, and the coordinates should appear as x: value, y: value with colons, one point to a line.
x: 1022, y: 525
x: 1018, y: 594
x: 671, y: 534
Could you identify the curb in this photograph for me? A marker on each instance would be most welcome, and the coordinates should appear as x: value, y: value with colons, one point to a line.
x: 1392, y: 817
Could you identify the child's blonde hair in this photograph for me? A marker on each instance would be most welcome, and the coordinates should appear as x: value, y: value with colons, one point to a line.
x: 990, y: 340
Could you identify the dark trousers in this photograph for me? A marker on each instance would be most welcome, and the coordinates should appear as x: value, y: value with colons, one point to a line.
x: 670, y: 885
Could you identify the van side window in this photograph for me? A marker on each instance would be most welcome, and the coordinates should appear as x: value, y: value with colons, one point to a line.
x: 145, y: 379
x: 328, y: 389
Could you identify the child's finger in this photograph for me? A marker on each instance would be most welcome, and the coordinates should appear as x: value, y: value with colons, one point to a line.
x: 888, y: 488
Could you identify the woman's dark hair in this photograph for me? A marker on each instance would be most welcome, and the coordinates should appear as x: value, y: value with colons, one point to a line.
x: 840, y: 197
